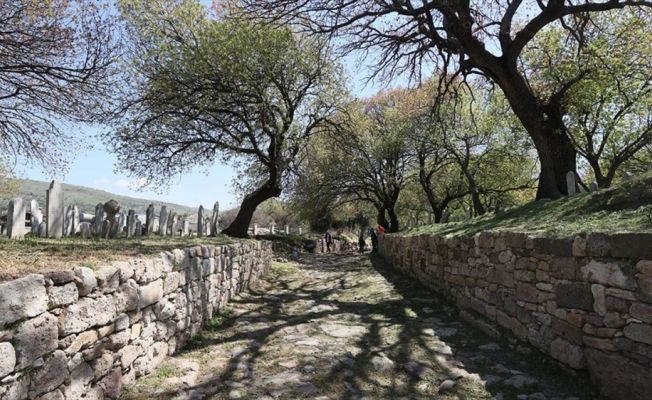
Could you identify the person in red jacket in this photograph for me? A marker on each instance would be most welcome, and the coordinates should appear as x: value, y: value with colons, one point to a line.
x: 381, y: 229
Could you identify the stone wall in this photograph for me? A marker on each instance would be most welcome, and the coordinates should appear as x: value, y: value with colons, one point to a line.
x: 83, y: 334
x: 586, y: 301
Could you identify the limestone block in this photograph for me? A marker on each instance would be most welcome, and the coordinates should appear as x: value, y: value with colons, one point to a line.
x: 51, y: 375
x: 568, y: 353
x: 34, y: 338
x: 16, y: 390
x: 78, y: 317
x: 526, y: 292
x: 164, y: 309
x: 22, y: 298
x: 613, y: 320
x: 558, y: 247
x: 599, y: 305
x: 118, y: 340
x: 129, y: 354
x: 598, y: 245
x: 108, y: 278
x: 153, y: 271
x: 105, y: 310
x: 82, y: 341
x: 172, y: 280
x: 567, y: 331
x: 631, y: 245
x: 579, y: 247
x: 150, y: 293
x: 602, y: 344
x: 126, y: 296
x: 644, y: 267
x: 7, y: 359
x: 641, y: 311
x: 112, y: 384
x: 156, y: 353
x: 102, y: 366
x: 619, y: 377
x: 126, y: 270
x: 63, y: 295
x: 621, y: 294
x: 610, y: 274
x: 60, y: 277
x: 639, y: 332
x: 80, y: 378
x: 121, y: 322
x: 563, y: 267
x: 106, y: 330
x: 85, y: 279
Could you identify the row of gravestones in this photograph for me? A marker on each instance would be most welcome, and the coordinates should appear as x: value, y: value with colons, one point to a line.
x: 107, y: 221
x: 272, y: 230
x: 571, y: 182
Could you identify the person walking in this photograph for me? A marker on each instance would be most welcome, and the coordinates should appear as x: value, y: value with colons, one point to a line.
x: 361, y: 243
x: 329, y: 241
x: 374, y: 241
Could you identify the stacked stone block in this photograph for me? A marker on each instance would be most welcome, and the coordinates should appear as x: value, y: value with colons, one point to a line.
x: 83, y: 334
x: 586, y: 301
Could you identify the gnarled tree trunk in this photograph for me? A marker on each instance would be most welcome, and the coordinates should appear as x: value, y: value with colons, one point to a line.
x: 240, y: 224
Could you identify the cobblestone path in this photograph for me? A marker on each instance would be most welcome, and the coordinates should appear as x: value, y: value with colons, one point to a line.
x: 350, y: 327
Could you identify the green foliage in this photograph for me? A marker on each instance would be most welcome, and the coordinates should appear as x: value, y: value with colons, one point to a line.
x: 606, y: 59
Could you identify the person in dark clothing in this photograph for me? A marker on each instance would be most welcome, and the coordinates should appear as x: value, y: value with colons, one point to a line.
x: 329, y: 241
x: 361, y: 243
x: 374, y: 241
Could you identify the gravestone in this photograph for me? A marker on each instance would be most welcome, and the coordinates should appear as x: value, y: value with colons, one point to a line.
x: 468, y: 214
x: 85, y: 229
x: 163, y: 221
x: 255, y: 229
x: 570, y: 183
x: 67, y: 224
x: 139, y: 228
x: 272, y: 229
x: 99, y: 218
x: 201, y: 220
x: 300, y: 230
x: 593, y: 187
x: 172, y: 219
x: 54, y: 210
x: 287, y: 229
x: 131, y: 223
x: 16, y: 219
x: 75, y: 220
x: 106, y: 228
x: 627, y: 176
x: 121, y: 221
x: 42, y: 229
x: 114, y: 228
x: 36, y: 216
x: 185, y: 227
x: 149, y: 220
x: 207, y: 226
x: 215, y: 223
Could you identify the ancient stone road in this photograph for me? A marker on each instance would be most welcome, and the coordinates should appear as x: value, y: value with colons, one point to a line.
x: 351, y: 327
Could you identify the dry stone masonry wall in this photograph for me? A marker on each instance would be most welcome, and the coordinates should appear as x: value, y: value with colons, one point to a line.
x: 83, y: 334
x: 586, y: 301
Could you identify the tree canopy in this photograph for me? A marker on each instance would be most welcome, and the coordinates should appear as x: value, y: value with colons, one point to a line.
x: 467, y: 37
x: 204, y: 89
x: 55, y: 59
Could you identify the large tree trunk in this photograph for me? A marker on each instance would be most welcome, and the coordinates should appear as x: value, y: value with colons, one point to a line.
x: 393, y: 219
x: 240, y: 224
x: 382, y: 219
x: 557, y: 158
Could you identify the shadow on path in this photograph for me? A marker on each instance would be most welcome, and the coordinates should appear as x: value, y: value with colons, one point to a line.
x: 351, y: 327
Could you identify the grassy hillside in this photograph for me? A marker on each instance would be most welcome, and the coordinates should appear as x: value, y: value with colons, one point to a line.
x: 623, y: 208
x: 86, y: 198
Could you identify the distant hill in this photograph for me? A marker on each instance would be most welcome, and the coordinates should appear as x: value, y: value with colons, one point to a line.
x: 86, y: 198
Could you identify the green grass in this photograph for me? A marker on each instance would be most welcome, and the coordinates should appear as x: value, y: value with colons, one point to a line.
x: 35, y: 255
x: 623, y: 208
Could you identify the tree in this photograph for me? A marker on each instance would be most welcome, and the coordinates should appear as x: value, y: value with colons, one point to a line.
x: 468, y: 37
x: 607, y: 113
x: 55, y: 59
x: 369, y: 157
x: 203, y: 89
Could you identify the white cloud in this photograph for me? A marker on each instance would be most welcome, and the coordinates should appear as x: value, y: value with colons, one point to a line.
x: 122, y: 183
